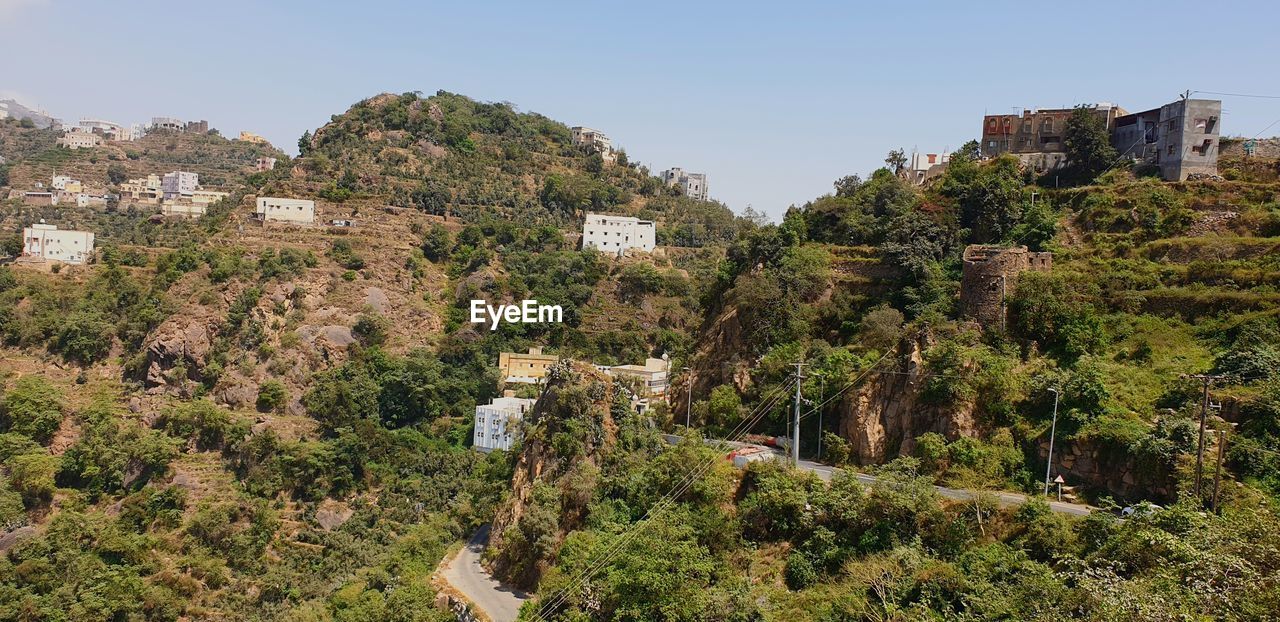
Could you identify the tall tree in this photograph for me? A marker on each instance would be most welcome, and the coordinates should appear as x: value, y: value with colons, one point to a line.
x: 1089, y: 150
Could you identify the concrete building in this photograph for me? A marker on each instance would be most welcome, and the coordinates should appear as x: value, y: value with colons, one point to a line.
x: 66, y: 183
x: 528, y: 368
x: 49, y: 243
x: 79, y: 140
x: 144, y: 190
x: 618, y: 234
x: 179, y: 185
x: 692, y: 185
x: 250, y: 137
x: 84, y: 199
x: 653, y: 375
x: 167, y: 123
x: 497, y: 424
x: 207, y: 197
x: 595, y: 140
x: 265, y: 164
x: 989, y: 276
x: 1036, y: 137
x: 197, y: 127
x: 106, y: 129
x: 925, y: 167
x: 40, y: 198
x: 274, y: 209
x: 184, y: 210
x: 1181, y: 137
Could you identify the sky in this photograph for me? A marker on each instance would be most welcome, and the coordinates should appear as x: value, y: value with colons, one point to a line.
x: 773, y: 101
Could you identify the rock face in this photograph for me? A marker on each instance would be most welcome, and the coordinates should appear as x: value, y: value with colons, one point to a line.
x: 883, y: 415
x: 180, y: 342
x: 1114, y: 472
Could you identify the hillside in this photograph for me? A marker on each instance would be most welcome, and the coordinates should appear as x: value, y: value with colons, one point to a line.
x: 220, y: 419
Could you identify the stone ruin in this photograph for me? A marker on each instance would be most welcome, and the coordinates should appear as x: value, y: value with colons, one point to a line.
x: 989, y: 276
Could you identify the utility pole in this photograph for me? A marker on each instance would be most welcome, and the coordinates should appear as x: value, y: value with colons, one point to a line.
x: 795, y: 431
x: 822, y: 396
x: 1206, y: 379
x: 1053, y: 431
x: 1217, y: 473
x: 688, y: 413
x: 1004, y: 313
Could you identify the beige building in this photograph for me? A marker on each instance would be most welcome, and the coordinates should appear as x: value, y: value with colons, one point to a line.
x: 40, y: 198
x: 528, y: 368
x: 653, y: 374
x: 184, y: 210
x: 145, y: 190
x: 594, y: 140
x: 79, y: 140
x: 207, y: 197
x: 275, y: 209
x: 49, y: 243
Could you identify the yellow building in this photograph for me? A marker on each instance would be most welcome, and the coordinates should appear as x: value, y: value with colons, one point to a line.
x: 525, y: 368
x: 250, y: 137
x: 145, y: 190
x: 205, y: 197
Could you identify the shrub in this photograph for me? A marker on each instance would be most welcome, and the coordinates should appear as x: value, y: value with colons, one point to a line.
x: 33, y: 408
x: 272, y: 396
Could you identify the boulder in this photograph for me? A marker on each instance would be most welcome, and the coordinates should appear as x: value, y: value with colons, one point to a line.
x: 182, y: 341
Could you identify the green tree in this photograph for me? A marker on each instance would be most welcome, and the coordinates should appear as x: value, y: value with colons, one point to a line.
x: 116, y: 173
x: 1088, y: 144
x: 33, y: 408
x: 272, y: 396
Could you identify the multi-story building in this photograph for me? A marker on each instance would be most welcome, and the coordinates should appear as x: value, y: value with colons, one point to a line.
x: 618, y: 234
x: 653, y: 375
x: 250, y: 137
x: 593, y: 139
x: 1036, y: 137
x: 106, y: 129
x: 265, y: 164
x: 145, y: 190
x: 178, y: 185
x: 528, y: 368
x: 1181, y: 137
x: 167, y: 123
x: 51, y: 244
x: 692, y: 185
x: 497, y: 424
x: 274, y: 209
x: 79, y: 140
x: 197, y: 127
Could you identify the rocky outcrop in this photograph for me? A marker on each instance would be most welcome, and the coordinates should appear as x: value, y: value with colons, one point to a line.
x: 1109, y: 471
x: 182, y: 343
x: 882, y: 416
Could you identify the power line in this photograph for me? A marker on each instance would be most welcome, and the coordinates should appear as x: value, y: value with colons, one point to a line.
x: 1238, y: 95
x: 655, y: 510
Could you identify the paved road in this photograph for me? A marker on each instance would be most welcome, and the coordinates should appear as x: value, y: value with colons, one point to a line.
x: 1003, y: 498
x: 825, y: 472
x: 501, y: 603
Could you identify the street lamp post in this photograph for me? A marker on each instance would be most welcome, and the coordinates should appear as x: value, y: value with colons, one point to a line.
x: 1053, y: 430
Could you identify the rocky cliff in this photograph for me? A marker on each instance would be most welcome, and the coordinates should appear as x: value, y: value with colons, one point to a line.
x: 882, y: 416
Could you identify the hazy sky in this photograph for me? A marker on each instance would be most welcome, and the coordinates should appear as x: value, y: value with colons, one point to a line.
x: 772, y: 100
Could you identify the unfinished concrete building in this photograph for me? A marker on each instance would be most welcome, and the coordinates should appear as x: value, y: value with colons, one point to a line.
x: 990, y: 274
x: 1181, y: 137
x: 1036, y: 137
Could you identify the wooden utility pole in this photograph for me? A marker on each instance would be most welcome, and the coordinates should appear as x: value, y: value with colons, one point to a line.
x: 1206, y: 380
x: 1217, y: 473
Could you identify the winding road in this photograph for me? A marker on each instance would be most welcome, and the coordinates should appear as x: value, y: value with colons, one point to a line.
x: 500, y: 602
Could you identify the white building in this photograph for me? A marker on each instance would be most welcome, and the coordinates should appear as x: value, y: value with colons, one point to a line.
x: 49, y: 243
x: 692, y: 185
x: 79, y: 140
x: 498, y: 423
x: 286, y: 210
x: 617, y: 234
x: 179, y: 185
x: 925, y: 166
x: 107, y: 129
x: 66, y: 183
x: 653, y: 375
x: 85, y: 199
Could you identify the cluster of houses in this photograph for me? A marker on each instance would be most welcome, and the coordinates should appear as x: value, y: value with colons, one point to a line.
x: 692, y: 185
x: 90, y: 133
x: 497, y: 424
x: 63, y: 189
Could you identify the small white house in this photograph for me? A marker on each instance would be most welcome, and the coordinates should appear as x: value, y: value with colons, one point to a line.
x: 498, y: 423
x: 276, y: 209
x: 617, y: 234
x: 51, y: 244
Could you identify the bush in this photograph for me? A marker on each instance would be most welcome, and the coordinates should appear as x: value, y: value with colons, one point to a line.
x: 345, y: 256
x: 799, y: 571
x: 272, y: 396
x: 203, y: 422
x: 33, y: 408
x: 371, y: 329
